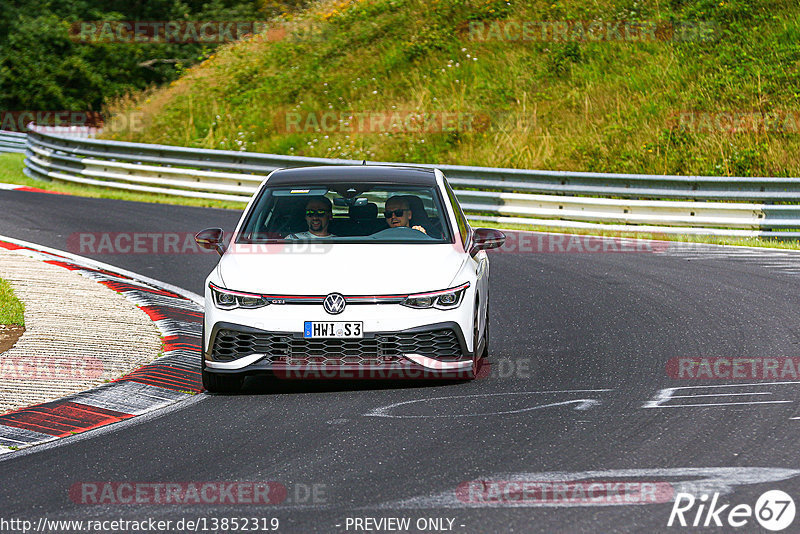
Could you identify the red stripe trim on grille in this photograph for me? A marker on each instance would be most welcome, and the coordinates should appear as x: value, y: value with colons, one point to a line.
x: 348, y: 298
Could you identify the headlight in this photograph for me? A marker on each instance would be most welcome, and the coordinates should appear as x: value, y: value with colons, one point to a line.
x: 225, y: 299
x: 446, y: 299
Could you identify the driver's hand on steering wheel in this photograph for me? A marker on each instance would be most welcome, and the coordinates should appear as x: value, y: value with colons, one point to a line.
x: 421, y: 229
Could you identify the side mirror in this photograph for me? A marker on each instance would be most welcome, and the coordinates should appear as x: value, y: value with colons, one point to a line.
x: 486, y: 239
x: 211, y: 239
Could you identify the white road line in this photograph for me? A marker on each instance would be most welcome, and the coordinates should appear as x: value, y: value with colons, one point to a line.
x: 717, y: 395
x: 665, y: 395
x: 582, y: 404
x: 738, y: 385
x: 717, y: 404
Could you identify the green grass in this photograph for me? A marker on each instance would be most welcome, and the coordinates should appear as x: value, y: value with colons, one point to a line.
x: 581, y: 106
x: 11, y: 309
x: 11, y: 166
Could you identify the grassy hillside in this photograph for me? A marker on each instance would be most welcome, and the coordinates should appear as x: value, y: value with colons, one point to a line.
x: 571, y: 104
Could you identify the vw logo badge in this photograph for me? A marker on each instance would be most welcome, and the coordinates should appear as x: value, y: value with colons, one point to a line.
x: 334, y: 303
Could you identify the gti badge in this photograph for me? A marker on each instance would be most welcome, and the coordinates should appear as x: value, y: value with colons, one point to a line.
x: 334, y: 303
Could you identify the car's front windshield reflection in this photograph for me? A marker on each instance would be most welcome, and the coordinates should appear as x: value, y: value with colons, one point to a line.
x: 352, y: 212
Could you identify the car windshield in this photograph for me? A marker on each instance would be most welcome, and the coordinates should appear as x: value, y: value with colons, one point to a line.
x: 347, y: 212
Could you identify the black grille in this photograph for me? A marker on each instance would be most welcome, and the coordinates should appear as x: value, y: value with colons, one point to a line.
x: 439, y: 344
x: 230, y: 345
x: 381, y: 349
x: 336, y: 352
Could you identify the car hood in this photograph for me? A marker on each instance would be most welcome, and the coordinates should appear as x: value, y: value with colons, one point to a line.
x: 350, y: 269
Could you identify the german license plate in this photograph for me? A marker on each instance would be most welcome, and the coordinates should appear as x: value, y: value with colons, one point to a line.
x: 333, y: 329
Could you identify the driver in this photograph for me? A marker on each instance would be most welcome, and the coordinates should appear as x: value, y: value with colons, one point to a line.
x: 398, y: 214
x: 318, y: 213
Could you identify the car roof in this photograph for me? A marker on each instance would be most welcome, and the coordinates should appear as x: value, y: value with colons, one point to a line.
x: 389, y: 174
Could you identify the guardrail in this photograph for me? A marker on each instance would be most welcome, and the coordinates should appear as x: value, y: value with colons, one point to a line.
x: 12, y: 141
x: 714, y: 205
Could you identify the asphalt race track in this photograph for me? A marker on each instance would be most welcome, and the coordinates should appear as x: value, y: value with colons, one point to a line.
x: 579, y: 363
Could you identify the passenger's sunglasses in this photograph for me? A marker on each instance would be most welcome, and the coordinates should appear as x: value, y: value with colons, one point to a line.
x: 394, y: 213
x: 317, y: 213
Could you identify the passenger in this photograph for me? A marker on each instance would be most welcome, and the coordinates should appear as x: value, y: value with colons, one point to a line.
x: 318, y: 213
x: 398, y: 214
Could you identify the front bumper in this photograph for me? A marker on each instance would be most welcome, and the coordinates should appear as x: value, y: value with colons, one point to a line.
x: 432, y: 351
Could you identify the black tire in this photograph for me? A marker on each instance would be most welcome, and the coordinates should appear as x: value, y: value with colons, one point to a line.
x: 485, y: 352
x: 472, y: 374
x: 214, y: 383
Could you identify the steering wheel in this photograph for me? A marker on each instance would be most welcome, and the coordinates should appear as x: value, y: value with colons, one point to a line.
x: 401, y: 232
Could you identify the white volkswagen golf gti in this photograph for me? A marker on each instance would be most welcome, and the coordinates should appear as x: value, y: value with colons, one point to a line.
x: 348, y: 272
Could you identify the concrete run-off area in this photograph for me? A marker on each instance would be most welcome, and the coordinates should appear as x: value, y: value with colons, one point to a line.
x: 78, y: 334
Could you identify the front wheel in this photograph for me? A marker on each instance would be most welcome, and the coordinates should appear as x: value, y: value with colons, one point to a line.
x: 214, y: 383
x: 476, y: 358
x: 485, y: 351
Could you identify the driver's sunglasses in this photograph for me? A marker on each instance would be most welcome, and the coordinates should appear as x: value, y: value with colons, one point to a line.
x: 317, y: 213
x: 395, y: 213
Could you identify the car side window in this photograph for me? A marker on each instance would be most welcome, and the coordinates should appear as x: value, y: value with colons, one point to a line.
x: 461, y: 219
